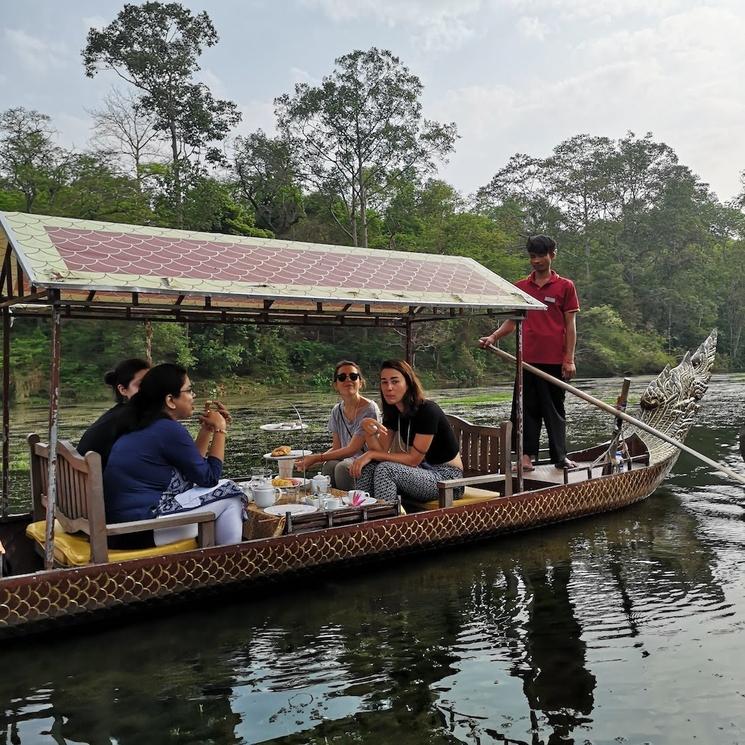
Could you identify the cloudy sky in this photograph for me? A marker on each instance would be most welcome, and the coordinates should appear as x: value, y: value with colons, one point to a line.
x: 515, y: 75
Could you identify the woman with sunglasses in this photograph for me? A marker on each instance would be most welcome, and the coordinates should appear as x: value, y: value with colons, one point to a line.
x: 345, y: 425
x: 414, y: 447
x: 156, y: 469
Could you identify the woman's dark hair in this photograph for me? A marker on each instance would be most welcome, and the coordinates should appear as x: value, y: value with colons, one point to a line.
x: 147, y: 404
x: 349, y: 363
x: 414, y: 396
x: 122, y: 375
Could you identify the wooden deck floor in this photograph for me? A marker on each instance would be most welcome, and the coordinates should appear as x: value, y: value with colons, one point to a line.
x: 547, y: 472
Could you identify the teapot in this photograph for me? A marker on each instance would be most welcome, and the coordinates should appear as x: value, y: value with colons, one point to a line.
x: 320, y: 484
x: 265, y: 495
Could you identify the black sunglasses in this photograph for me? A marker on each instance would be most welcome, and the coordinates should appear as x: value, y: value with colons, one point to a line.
x: 341, y: 377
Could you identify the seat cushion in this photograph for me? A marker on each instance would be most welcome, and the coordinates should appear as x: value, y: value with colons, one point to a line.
x: 75, y: 550
x: 471, y: 495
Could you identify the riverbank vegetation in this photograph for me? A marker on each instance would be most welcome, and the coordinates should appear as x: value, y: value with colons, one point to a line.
x: 654, y: 253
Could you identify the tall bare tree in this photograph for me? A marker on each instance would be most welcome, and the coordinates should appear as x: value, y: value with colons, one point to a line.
x: 123, y: 127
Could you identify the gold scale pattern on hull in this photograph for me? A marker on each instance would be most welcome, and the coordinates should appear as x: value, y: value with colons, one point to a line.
x: 28, y: 602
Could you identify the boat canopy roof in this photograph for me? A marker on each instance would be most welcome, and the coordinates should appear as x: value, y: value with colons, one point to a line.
x: 110, y: 270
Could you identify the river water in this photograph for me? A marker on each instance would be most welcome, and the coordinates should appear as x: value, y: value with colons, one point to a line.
x: 623, y: 628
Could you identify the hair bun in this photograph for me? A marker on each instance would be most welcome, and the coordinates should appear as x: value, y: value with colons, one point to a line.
x: 110, y: 377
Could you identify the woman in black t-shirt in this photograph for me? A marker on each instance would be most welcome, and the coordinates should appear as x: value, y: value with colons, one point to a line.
x: 413, y: 449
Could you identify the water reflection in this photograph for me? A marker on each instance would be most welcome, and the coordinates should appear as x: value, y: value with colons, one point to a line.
x: 492, y: 643
x: 621, y: 628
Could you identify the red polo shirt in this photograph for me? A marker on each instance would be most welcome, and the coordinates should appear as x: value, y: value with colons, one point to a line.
x: 543, y: 340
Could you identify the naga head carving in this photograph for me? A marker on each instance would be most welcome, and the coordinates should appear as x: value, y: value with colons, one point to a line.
x: 679, y: 389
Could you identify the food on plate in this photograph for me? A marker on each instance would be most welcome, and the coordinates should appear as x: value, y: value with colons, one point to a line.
x: 283, y: 483
x: 281, y: 450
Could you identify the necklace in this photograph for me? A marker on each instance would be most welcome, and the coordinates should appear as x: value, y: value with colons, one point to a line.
x: 403, y: 444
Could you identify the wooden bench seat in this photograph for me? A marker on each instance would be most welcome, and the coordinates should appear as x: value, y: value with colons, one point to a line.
x: 80, y: 516
x: 487, y: 468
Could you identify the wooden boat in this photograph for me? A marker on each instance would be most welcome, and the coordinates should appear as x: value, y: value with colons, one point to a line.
x: 30, y: 602
x: 75, y: 268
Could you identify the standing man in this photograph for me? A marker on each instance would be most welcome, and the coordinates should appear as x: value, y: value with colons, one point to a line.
x: 549, y: 340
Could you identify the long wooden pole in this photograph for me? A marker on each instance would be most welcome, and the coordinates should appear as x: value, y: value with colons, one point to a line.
x: 620, y: 414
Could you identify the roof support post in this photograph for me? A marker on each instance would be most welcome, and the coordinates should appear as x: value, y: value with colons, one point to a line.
x: 519, y: 411
x: 5, y: 501
x: 149, y: 341
x: 53, y: 422
x: 409, y: 351
x: 7, y: 323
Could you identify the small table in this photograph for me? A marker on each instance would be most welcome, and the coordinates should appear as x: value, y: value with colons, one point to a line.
x: 260, y: 524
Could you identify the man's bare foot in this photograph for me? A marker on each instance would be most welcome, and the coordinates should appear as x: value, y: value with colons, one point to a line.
x: 565, y: 464
x: 527, y: 464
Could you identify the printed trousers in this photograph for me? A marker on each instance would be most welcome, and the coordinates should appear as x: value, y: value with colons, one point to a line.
x: 385, y: 480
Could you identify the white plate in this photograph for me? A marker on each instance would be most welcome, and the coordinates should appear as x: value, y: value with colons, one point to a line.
x: 296, y: 509
x: 293, y: 454
x: 298, y: 482
x: 283, y: 427
x: 363, y: 503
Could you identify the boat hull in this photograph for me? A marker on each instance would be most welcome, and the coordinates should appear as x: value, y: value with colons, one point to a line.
x: 29, y: 603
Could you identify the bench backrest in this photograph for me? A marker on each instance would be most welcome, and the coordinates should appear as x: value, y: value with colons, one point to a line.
x: 483, y: 449
x: 79, y: 503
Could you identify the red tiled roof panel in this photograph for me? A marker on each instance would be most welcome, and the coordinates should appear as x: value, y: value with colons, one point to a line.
x: 111, y: 253
x: 71, y: 255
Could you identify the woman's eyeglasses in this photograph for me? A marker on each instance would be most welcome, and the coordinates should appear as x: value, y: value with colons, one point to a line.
x: 187, y: 390
x: 341, y: 377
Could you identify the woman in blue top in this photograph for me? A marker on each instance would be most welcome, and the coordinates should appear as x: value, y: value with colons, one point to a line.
x: 345, y: 425
x: 155, y: 464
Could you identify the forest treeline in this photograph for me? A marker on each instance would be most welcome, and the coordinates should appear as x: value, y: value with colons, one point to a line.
x: 354, y: 161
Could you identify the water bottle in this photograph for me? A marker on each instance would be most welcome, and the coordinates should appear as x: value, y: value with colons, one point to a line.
x: 619, y: 461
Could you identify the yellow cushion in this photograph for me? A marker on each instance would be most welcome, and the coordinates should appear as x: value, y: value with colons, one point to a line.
x: 75, y: 551
x: 472, y: 495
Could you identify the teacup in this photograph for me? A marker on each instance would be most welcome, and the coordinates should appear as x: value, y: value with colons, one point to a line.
x: 356, y: 495
x: 331, y: 503
x: 266, y: 496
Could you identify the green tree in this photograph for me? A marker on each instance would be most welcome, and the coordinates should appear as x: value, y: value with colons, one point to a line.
x: 360, y: 127
x: 98, y: 190
x: 155, y: 47
x: 29, y: 159
x: 608, y: 346
x: 209, y: 206
x: 268, y: 178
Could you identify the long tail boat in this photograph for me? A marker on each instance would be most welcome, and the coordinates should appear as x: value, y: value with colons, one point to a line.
x: 57, y: 267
